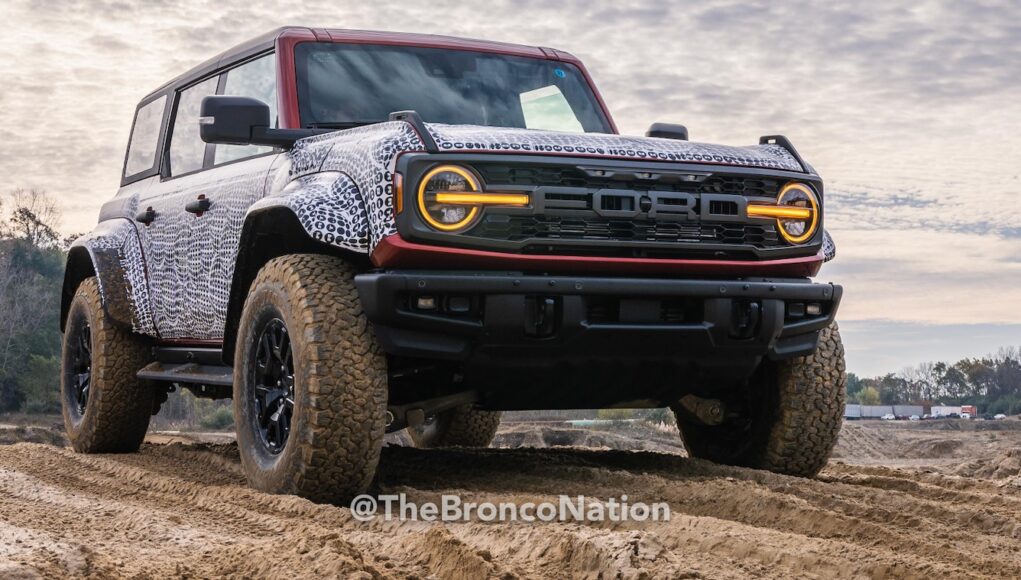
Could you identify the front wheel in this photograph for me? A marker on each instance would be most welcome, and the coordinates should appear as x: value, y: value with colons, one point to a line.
x: 310, y: 384
x: 786, y: 420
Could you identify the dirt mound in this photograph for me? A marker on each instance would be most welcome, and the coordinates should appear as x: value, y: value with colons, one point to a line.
x: 933, y: 448
x: 860, y: 441
x: 1006, y: 465
x: 11, y: 434
x: 183, y: 510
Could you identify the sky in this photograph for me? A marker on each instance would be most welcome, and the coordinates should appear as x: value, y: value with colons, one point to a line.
x: 911, y: 112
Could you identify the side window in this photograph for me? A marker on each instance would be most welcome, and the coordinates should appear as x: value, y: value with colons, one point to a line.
x: 256, y: 79
x: 187, y: 149
x: 145, y: 137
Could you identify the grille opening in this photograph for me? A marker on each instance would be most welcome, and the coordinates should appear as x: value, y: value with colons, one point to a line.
x: 670, y: 310
x: 720, y: 207
x: 618, y: 203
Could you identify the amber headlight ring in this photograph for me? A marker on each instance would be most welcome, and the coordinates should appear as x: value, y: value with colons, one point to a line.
x: 450, y: 198
x: 796, y: 212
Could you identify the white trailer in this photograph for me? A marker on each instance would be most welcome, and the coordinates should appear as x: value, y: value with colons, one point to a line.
x: 875, y: 411
x: 945, y: 411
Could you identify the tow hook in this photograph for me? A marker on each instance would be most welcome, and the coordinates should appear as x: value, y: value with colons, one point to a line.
x: 540, y: 316
x: 708, y: 411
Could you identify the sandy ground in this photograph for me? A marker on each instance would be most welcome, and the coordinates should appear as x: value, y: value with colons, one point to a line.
x: 897, y: 500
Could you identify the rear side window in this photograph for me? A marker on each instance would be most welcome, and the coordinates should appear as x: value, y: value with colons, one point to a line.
x: 145, y: 137
x: 256, y: 79
x: 187, y: 149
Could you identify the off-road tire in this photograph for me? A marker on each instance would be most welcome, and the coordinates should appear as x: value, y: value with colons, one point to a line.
x: 119, y: 405
x: 462, y: 426
x: 340, y: 381
x: 792, y: 415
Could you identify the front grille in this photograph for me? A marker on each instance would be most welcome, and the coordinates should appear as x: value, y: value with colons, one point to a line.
x: 581, y: 203
x: 523, y: 227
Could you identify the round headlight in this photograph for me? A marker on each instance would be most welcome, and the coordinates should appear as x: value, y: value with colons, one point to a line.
x: 446, y: 216
x: 798, y: 230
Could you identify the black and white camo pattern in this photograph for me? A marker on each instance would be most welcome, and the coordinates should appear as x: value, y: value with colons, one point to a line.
x: 829, y: 247
x: 330, y: 208
x: 191, y: 259
x: 367, y: 156
x: 117, y: 257
x: 476, y: 138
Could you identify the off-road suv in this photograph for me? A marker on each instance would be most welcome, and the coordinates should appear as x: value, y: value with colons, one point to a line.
x: 351, y: 233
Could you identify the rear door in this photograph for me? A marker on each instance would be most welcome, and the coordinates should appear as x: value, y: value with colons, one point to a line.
x: 191, y: 246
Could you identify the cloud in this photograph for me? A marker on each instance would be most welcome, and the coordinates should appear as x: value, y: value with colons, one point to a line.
x: 908, y: 109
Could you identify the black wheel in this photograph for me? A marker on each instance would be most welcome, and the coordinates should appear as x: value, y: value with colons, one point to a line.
x: 272, y: 379
x: 106, y: 408
x: 81, y: 366
x: 309, y: 382
x: 787, y: 420
x: 462, y: 426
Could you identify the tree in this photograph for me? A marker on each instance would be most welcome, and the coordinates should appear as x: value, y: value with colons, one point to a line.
x: 31, y: 272
x: 869, y: 396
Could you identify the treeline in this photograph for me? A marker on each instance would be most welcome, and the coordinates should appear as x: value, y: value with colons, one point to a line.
x: 31, y: 273
x: 993, y: 383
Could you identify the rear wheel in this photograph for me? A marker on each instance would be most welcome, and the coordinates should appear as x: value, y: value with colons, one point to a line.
x: 462, y: 426
x: 106, y: 408
x: 309, y: 382
x: 787, y: 419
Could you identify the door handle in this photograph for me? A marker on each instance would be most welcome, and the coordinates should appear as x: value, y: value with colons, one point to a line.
x: 146, y: 217
x: 199, y: 206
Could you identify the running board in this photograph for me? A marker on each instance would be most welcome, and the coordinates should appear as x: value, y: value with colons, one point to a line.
x: 190, y: 373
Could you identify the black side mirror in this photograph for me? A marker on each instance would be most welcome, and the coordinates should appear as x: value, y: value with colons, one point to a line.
x: 232, y: 120
x: 244, y: 121
x: 668, y: 131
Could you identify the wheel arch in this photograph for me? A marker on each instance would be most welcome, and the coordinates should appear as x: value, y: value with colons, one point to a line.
x: 79, y: 266
x: 113, y: 254
x: 270, y: 232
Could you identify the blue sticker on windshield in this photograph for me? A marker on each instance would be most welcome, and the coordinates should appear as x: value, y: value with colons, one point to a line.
x: 559, y: 72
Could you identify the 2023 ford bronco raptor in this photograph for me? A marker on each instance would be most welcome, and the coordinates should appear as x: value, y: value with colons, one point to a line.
x: 353, y: 232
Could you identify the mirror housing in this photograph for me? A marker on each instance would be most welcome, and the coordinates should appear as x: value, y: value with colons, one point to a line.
x: 668, y: 131
x: 244, y: 121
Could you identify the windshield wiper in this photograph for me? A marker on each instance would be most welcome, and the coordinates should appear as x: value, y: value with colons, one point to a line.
x: 342, y: 124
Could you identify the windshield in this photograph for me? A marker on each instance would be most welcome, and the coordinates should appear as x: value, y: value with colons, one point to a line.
x: 347, y: 85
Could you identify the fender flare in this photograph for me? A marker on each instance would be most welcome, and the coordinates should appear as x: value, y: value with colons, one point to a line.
x: 317, y: 214
x: 112, y: 253
x: 329, y: 207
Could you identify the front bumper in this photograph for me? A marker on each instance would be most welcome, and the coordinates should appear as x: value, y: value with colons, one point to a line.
x: 510, y: 319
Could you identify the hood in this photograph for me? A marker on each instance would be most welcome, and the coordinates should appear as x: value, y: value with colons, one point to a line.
x: 498, y: 139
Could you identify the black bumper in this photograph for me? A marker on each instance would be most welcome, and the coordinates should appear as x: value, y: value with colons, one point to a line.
x: 499, y: 319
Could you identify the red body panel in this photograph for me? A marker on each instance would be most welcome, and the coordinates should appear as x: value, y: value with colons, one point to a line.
x: 288, y: 39
x: 396, y: 252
